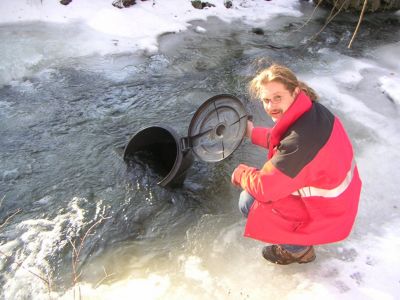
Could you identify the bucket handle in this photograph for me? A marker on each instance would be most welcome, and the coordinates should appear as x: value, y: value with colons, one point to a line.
x: 186, y: 144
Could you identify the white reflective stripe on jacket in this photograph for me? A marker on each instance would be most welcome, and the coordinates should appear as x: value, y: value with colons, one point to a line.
x: 310, y: 191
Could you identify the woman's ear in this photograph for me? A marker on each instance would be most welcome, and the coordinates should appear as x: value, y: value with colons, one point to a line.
x: 297, y: 91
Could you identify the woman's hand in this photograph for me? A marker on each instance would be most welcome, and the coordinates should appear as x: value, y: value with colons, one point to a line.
x: 237, y: 174
x: 249, y: 128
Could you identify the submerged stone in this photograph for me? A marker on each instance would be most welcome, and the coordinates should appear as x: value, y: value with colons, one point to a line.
x: 65, y: 2
x: 257, y: 30
x: 200, y: 5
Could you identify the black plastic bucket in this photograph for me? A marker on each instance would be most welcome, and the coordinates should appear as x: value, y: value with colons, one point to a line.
x: 216, y: 129
x: 169, y: 160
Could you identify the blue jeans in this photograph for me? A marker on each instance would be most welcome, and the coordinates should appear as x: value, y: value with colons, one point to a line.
x: 245, y: 202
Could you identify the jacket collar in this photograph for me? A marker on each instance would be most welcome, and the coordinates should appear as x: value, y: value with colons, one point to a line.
x: 300, y: 105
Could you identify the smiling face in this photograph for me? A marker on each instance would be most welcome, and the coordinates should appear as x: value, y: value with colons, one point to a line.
x: 276, y: 98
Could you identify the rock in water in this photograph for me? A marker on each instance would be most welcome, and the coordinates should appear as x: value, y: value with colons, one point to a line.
x: 200, y: 5
x: 65, y: 2
x: 123, y: 3
x: 228, y: 3
x: 257, y: 30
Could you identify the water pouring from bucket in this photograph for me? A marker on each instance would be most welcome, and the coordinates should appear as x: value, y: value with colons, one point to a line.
x: 216, y: 130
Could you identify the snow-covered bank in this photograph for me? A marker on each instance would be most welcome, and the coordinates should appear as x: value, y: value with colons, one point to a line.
x: 142, y: 22
x: 96, y: 27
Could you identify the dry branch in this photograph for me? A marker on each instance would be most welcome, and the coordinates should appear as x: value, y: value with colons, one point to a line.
x: 41, y: 277
x: 76, y: 254
x: 106, y: 276
x: 358, y: 24
x: 10, y: 217
x: 328, y: 20
x: 312, y: 14
x: 332, y: 15
x: 19, y: 264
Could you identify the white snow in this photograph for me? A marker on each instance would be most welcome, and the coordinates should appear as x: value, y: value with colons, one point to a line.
x: 391, y: 86
x: 140, y: 23
x: 104, y: 29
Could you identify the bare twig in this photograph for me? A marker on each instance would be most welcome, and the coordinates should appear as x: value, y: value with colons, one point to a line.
x: 328, y: 20
x: 9, y: 217
x: 331, y: 17
x: 41, y: 277
x: 358, y: 24
x: 104, y: 278
x: 76, y: 254
x: 75, y: 276
x: 309, y: 19
x: 332, y: 11
x: 88, y: 232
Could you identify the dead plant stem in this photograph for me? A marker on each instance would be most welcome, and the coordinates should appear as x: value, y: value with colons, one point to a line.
x: 358, y: 24
x: 19, y: 264
x: 104, y: 278
x: 328, y: 20
x: 10, y: 217
x: 76, y: 254
x: 309, y: 19
x: 41, y: 277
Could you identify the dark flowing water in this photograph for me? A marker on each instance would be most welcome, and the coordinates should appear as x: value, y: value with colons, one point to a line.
x: 64, y: 127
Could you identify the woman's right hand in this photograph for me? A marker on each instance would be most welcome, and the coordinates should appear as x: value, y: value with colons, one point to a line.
x: 249, y: 128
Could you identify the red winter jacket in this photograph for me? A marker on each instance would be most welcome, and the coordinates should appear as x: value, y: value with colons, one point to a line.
x: 307, y: 192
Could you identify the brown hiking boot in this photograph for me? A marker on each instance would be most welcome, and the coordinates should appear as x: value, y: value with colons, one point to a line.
x: 278, y: 255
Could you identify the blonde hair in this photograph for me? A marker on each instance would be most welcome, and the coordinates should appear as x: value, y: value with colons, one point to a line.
x: 280, y: 74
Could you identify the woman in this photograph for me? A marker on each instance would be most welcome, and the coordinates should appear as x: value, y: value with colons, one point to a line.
x: 307, y: 192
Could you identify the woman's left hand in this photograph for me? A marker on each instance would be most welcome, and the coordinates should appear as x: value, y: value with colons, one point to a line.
x: 237, y: 174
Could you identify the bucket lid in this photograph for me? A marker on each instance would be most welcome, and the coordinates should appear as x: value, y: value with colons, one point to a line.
x: 217, y: 128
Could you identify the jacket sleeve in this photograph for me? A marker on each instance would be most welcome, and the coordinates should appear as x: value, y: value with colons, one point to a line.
x: 274, y: 180
x: 259, y: 136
